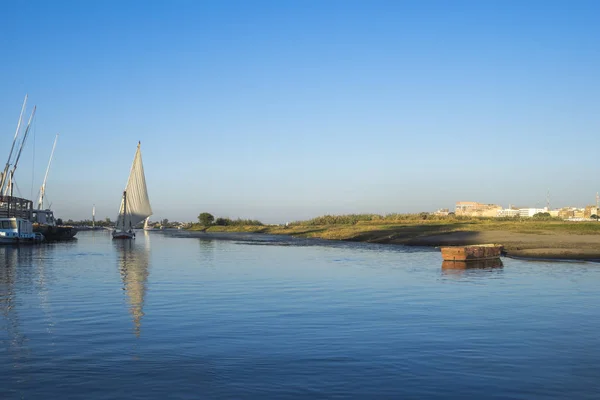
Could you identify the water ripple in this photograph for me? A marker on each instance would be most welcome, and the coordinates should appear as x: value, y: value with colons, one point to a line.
x: 245, y: 316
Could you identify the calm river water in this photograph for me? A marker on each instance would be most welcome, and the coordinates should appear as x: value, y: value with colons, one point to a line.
x: 274, y: 317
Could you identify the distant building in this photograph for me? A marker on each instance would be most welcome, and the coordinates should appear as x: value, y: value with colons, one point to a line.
x: 508, y: 212
x: 474, y: 209
x: 566, y: 212
x: 589, y: 211
x: 442, y: 212
x: 530, y: 212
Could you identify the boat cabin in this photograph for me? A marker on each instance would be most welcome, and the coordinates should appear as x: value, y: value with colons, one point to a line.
x: 17, y: 230
x: 43, y: 217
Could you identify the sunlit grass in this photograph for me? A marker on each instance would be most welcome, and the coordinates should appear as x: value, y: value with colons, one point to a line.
x: 373, y: 227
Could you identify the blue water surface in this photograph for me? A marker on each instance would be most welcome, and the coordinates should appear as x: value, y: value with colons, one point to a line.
x: 256, y: 316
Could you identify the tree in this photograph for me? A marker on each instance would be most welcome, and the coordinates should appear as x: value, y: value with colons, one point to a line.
x: 542, y: 215
x: 206, y: 219
x: 164, y: 222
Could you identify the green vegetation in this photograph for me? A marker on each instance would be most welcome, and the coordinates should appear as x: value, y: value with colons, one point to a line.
x: 208, y: 222
x: 87, y: 222
x: 545, y: 216
x: 237, y: 222
x: 352, y: 219
x: 406, y: 228
x: 206, y: 219
x: 403, y: 228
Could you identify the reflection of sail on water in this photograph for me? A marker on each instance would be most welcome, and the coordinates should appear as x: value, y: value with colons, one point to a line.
x: 133, y: 266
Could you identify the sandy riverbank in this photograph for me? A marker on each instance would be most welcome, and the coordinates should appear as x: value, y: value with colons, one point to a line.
x: 547, y: 241
x: 547, y: 246
x: 567, y: 242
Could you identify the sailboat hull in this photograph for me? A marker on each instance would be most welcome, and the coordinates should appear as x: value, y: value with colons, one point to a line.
x: 123, y: 235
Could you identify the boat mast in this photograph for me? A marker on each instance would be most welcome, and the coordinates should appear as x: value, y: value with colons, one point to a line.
x: 5, y: 172
x: 125, y: 191
x: 24, y: 139
x: 43, y: 188
x: 14, y: 168
x: 10, y: 199
x: 124, y: 207
x: 94, y: 216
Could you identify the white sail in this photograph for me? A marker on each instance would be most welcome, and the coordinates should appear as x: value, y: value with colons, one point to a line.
x: 135, y: 205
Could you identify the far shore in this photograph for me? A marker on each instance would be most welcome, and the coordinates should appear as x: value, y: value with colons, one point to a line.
x: 531, y: 239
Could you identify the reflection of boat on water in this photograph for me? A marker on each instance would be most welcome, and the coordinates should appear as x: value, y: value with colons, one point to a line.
x: 135, y: 205
x: 133, y: 267
x: 449, y: 265
x: 9, y: 261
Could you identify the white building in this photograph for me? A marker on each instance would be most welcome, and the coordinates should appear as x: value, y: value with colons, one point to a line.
x: 530, y: 212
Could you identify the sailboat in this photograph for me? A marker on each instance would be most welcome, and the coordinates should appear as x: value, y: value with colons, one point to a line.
x: 135, y: 205
x: 43, y: 218
x: 146, y: 226
x: 15, y: 212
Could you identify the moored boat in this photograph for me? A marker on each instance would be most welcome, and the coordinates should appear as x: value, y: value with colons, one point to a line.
x: 14, y: 230
x: 135, y: 205
x: 45, y: 223
x: 472, y: 252
x: 43, y: 219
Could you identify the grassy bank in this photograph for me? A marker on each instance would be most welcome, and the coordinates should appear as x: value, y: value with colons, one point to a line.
x: 407, y: 228
x: 405, y: 232
x: 530, y: 238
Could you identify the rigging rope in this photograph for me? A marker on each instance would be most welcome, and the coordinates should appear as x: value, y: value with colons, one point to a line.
x: 33, y: 161
x: 14, y: 183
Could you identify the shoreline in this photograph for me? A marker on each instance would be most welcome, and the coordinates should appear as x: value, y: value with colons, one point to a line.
x: 519, y: 241
x: 556, y: 246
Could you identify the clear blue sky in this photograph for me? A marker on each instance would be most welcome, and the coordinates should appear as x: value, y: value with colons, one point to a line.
x: 285, y: 110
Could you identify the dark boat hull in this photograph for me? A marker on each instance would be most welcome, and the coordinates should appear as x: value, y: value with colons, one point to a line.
x: 123, y: 235
x: 56, y: 233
